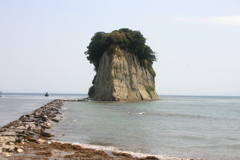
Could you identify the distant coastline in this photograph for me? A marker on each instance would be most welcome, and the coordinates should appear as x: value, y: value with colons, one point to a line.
x: 85, y: 94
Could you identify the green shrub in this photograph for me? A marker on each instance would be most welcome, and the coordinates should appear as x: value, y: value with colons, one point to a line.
x: 91, y: 91
x: 149, y: 90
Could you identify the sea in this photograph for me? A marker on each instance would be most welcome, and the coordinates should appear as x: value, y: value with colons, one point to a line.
x: 202, y: 127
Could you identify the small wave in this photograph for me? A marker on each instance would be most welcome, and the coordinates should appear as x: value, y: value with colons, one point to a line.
x: 64, y: 108
x: 114, y: 149
x: 183, y: 115
x: 174, y: 115
x: 192, y: 137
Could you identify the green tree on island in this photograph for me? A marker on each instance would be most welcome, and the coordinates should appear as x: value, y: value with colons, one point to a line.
x: 129, y: 40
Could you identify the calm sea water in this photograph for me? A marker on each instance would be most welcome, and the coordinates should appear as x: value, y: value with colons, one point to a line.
x: 182, y: 126
x: 14, y: 105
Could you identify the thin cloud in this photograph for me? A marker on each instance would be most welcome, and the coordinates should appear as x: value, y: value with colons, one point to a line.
x: 230, y: 20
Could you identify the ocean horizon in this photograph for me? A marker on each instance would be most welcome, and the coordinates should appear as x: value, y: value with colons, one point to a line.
x: 181, y: 126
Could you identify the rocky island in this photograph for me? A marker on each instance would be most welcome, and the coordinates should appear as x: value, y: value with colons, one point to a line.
x: 123, y: 65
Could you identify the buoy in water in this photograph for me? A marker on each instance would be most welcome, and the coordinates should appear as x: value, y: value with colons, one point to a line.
x: 46, y: 95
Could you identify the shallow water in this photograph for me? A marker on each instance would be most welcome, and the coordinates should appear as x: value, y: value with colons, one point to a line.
x: 196, y: 127
x: 182, y: 126
x: 14, y: 105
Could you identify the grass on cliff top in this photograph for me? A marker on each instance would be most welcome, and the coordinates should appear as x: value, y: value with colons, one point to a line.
x: 129, y: 40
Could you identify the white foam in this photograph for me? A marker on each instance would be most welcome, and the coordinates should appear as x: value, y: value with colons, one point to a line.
x: 64, y: 108
x: 114, y: 149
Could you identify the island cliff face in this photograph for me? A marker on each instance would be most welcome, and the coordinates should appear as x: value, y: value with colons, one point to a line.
x: 120, y: 77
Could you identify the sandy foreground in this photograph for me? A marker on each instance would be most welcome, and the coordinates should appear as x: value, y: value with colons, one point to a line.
x: 27, y: 138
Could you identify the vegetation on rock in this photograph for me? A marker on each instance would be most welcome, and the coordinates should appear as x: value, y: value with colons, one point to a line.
x: 149, y: 90
x: 129, y: 40
x: 91, y: 91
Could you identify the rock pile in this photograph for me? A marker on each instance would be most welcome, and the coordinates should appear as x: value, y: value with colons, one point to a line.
x: 29, y: 128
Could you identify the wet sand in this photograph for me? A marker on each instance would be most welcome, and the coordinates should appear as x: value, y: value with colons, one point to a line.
x: 56, y: 150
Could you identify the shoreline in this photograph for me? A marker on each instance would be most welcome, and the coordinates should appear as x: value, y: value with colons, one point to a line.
x: 27, y: 137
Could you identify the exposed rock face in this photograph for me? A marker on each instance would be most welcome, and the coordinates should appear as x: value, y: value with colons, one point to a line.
x: 120, y: 77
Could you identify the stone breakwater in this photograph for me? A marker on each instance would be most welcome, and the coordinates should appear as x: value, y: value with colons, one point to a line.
x: 27, y: 138
x: 29, y: 128
x: 28, y: 135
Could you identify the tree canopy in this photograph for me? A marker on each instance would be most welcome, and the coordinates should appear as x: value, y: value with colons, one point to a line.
x: 132, y: 41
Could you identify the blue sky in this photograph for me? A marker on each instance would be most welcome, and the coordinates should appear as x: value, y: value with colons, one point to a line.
x: 42, y: 43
